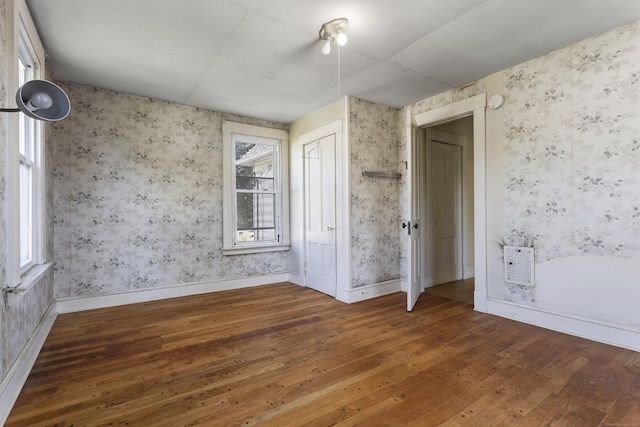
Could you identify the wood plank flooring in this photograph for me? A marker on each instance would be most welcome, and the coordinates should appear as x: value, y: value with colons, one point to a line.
x: 282, y: 355
x: 460, y: 290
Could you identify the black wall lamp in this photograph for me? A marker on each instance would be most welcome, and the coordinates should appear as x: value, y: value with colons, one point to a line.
x: 41, y: 100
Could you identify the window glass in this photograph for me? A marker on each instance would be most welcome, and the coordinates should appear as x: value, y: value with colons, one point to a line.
x: 26, y: 215
x: 255, y: 186
x: 27, y: 142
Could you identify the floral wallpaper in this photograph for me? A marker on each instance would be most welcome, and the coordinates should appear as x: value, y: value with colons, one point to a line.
x: 4, y: 335
x: 138, y: 196
x: 19, y: 321
x: 375, y: 220
x: 572, y: 151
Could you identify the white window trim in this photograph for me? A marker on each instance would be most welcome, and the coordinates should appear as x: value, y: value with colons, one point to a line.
x: 228, y: 205
x: 21, y: 26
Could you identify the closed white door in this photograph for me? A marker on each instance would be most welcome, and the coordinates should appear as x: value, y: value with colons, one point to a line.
x: 446, y: 178
x: 320, y: 214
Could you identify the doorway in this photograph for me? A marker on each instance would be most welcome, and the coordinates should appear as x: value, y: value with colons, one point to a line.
x: 416, y: 122
x: 447, y: 205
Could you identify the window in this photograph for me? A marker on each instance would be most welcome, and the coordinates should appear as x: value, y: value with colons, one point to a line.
x: 27, y: 148
x: 25, y: 158
x: 255, y: 189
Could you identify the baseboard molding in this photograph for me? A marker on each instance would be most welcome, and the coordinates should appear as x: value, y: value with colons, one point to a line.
x: 584, y: 328
x: 16, y: 377
x: 70, y: 305
x: 369, y: 291
x: 469, y: 272
x: 296, y: 279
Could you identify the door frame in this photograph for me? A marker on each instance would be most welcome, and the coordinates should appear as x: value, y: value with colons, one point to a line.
x: 341, y: 203
x: 476, y: 106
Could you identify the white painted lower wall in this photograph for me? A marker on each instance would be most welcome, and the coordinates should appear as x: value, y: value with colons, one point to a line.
x: 599, y: 288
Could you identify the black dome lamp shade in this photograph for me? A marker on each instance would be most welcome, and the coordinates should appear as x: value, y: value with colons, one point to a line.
x: 41, y: 100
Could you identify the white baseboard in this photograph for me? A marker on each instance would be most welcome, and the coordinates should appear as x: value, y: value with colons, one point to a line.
x: 469, y: 272
x: 16, y: 377
x: 404, y: 286
x: 69, y: 305
x: 480, y: 300
x: 369, y: 291
x: 584, y: 328
x: 296, y: 279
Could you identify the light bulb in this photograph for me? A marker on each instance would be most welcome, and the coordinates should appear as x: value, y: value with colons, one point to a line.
x: 40, y: 101
x: 326, y: 48
x: 341, y: 39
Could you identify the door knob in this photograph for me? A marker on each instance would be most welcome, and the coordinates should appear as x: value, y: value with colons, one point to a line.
x: 330, y: 228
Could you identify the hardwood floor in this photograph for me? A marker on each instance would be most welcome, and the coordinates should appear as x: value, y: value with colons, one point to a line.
x: 282, y: 355
x: 460, y: 290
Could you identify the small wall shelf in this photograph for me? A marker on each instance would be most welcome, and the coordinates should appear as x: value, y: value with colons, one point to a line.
x: 375, y: 174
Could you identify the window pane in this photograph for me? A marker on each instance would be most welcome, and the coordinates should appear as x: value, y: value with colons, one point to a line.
x: 22, y: 138
x: 254, y: 166
x: 21, y: 117
x: 26, y: 214
x: 256, y: 217
x: 23, y: 74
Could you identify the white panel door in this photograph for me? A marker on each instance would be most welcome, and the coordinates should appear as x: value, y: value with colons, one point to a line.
x: 320, y: 214
x: 446, y: 178
x: 414, y: 290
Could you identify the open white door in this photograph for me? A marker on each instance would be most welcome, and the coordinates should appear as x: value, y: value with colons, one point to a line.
x: 320, y: 214
x: 412, y: 227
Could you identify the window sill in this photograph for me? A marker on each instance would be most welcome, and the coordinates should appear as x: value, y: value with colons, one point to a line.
x: 29, y: 279
x: 242, y: 250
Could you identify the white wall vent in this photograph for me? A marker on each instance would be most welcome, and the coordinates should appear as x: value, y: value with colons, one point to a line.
x: 518, y: 265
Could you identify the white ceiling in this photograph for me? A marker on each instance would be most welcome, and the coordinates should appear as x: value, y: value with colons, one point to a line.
x: 261, y: 58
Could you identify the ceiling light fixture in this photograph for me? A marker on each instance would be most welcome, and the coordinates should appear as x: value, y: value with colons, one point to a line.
x: 326, y: 47
x: 333, y: 31
x: 41, y: 100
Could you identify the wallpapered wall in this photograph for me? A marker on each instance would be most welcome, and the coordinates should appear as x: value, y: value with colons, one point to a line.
x: 572, y: 151
x: 375, y: 218
x: 19, y: 321
x: 570, y: 140
x: 138, y: 196
x: 4, y: 345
